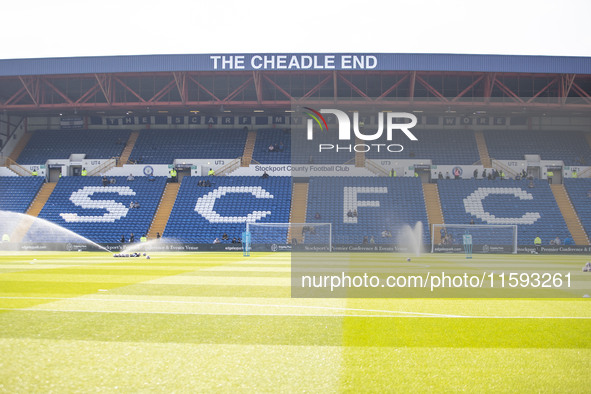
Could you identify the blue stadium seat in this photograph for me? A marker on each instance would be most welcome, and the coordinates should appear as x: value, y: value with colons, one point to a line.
x: 60, y: 144
x: 307, y: 152
x: 533, y: 210
x: 101, y: 213
x: 267, y: 137
x: 164, y: 146
x: 440, y: 146
x: 201, y: 214
x: 18, y: 192
x: 400, y: 202
x: 568, y: 146
x: 449, y: 146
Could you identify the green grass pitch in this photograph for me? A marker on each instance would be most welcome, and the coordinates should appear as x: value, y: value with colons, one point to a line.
x: 72, y: 322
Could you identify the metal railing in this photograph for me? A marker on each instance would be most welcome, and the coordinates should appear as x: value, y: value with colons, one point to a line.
x: 104, y: 167
x: 376, y: 169
x: 507, y: 170
x: 585, y: 174
x: 16, y: 168
x: 228, y: 168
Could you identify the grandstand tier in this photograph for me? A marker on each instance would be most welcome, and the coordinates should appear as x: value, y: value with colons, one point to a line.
x: 17, y: 193
x: 279, y: 139
x: 383, y: 205
x: 569, y: 147
x: 101, y: 213
x: 201, y: 213
x: 164, y: 146
x: 60, y: 144
x: 449, y: 146
x: 306, y: 152
x: 530, y: 206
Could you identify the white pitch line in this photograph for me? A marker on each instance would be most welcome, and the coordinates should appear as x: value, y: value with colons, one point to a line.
x: 430, y: 316
x: 391, y: 313
x: 228, y: 304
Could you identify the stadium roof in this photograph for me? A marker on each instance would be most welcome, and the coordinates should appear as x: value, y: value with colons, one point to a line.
x: 210, y: 82
x: 249, y: 62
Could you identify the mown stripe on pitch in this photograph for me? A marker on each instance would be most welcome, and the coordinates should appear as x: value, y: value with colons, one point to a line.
x: 246, y: 274
x: 226, y: 280
x: 467, y: 332
x: 149, y: 289
x: 102, y: 270
x: 299, y: 330
x: 479, y: 370
x: 74, y: 280
x: 56, y: 288
x: 172, y: 328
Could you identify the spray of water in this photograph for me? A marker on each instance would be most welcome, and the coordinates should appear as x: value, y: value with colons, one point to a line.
x: 412, y: 238
x: 25, y: 228
x: 160, y: 244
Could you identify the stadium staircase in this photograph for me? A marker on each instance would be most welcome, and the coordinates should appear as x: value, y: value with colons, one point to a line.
x: 164, y: 209
x: 482, y: 149
x: 16, y: 152
x: 359, y: 156
x: 133, y: 136
x: 104, y: 167
x: 251, y: 139
x: 376, y: 169
x: 508, y: 171
x: 433, y: 206
x: 570, y: 215
x: 34, y: 209
x: 41, y: 199
x: 299, y: 205
x: 17, y: 168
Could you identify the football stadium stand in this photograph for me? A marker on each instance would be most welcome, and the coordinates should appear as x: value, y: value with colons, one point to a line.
x: 164, y: 146
x: 17, y: 193
x: 52, y: 144
x: 441, y: 146
x: 124, y: 158
x: 306, y: 152
x: 272, y: 137
x: 477, y: 111
x: 101, y: 213
x: 201, y: 214
x: 570, y: 147
x: 251, y: 138
x: 579, y: 191
x: 532, y: 209
x: 382, y: 204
